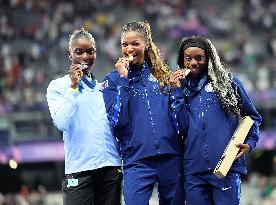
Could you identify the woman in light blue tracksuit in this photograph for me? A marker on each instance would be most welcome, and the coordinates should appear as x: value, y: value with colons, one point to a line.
x: 77, y: 108
x: 216, y: 101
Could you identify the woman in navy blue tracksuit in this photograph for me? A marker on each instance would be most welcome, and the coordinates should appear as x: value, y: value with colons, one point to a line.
x: 138, y: 107
x: 215, y: 101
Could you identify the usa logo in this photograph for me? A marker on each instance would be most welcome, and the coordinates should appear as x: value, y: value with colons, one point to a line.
x: 105, y: 84
x: 209, y: 88
x: 152, y: 78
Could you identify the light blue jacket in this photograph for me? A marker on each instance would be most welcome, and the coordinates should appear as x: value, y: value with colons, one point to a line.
x: 88, y: 138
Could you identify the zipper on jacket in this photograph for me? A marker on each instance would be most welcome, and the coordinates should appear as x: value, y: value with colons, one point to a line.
x: 204, y: 130
x: 157, y: 146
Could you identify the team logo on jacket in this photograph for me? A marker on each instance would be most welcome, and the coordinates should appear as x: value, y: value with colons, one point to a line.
x: 209, y: 88
x: 105, y: 84
x: 152, y: 78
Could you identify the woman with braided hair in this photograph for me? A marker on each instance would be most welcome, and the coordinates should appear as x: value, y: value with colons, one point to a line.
x: 138, y: 107
x: 215, y: 102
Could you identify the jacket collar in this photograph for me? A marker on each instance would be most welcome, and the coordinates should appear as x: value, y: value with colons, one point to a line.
x: 193, y: 86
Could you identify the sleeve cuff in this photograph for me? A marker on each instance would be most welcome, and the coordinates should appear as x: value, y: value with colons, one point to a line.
x: 75, y: 90
x: 177, y: 92
x: 252, y: 144
x: 125, y: 82
x: 72, y: 93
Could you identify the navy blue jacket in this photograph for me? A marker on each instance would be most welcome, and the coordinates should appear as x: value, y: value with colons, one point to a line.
x: 140, y: 114
x: 209, y: 128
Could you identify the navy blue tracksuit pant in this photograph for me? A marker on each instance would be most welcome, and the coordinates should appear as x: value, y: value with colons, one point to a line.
x: 207, y: 189
x: 139, y: 179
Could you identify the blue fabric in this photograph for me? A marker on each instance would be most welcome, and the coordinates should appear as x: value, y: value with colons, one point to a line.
x: 173, y: 114
x: 140, y: 177
x: 88, y: 137
x: 179, y: 111
x: 143, y: 126
x: 91, y: 83
x: 210, y: 129
x: 207, y: 189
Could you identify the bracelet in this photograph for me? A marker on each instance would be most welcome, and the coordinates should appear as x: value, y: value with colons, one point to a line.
x: 75, y: 90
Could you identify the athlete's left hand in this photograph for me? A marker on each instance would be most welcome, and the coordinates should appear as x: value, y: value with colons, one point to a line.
x: 244, y: 149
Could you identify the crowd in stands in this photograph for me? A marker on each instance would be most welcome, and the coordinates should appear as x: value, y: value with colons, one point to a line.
x: 34, y: 48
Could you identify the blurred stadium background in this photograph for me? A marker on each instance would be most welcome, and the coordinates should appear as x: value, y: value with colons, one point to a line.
x: 33, y: 50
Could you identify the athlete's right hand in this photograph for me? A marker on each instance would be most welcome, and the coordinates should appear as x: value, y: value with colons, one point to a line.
x: 122, y: 67
x: 176, y: 77
x: 75, y: 74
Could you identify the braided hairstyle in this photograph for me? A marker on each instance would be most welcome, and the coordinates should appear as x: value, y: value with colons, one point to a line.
x: 159, y: 68
x: 221, y: 78
x: 81, y: 33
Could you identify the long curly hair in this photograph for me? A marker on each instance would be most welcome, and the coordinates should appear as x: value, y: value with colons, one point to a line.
x: 220, y: 77
x: 159, y: 69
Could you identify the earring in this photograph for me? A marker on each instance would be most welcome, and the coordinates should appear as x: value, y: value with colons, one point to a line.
x: 69, y: 55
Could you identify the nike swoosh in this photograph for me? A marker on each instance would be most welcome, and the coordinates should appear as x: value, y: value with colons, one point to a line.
x: 224, y: 189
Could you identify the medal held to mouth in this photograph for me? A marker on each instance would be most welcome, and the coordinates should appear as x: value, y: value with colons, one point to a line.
x: 83, y: 66
x: 186, y: 70
x: 130, y: 57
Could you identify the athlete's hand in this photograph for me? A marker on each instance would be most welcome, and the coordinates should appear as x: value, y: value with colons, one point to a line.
x: 75, y: 74
x: 176, y: 77
x: 122, y: 66
x: 244, y: 149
